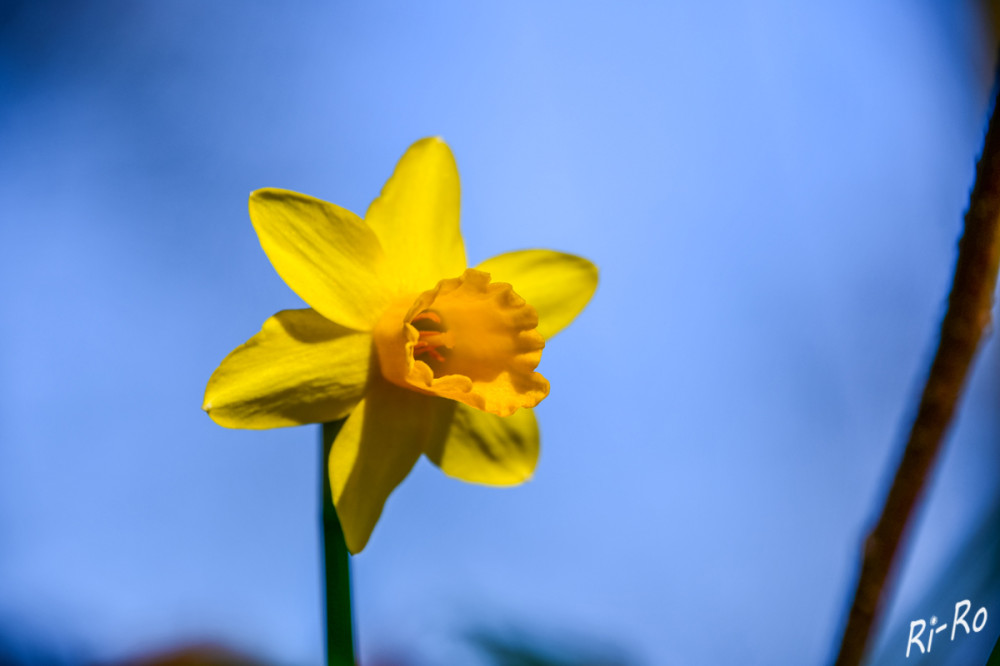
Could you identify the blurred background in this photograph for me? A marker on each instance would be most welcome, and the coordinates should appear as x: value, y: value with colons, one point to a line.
x: 773, y: 192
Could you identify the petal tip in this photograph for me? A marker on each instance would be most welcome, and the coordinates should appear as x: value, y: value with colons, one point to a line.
x: 528, y: 475
x: 431, y: 142
x: 262, y: 192
x: 355, y: 547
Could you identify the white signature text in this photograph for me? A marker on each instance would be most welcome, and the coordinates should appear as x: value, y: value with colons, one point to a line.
x: 918, y: 627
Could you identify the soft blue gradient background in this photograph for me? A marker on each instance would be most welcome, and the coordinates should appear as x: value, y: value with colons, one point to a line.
x: 772, y: 190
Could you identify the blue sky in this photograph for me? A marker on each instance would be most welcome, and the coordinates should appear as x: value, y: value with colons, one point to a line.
x: 773, y: 192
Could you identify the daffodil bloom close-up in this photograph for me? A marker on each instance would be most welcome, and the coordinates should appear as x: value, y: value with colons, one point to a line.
x: 421, y: 354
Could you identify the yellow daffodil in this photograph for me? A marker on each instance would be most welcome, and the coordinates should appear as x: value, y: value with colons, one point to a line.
x: 421, y: 354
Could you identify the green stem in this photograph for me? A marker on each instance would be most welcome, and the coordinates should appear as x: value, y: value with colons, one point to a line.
x: 994, y: 659
x: 336, y: 567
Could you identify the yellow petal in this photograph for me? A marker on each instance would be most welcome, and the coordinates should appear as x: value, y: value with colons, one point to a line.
x: 557, y: 285
x: 488, y: 449
x: 416, y: 217
x: 466, y: 340
x: 375, y: 450
x: 300, y: 368
x: 325, y: 253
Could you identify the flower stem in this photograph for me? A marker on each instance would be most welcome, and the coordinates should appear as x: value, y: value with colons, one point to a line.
x: 336, y: 565
x: 967, y: 317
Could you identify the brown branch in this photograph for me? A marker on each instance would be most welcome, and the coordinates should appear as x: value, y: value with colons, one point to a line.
x: 968, y: 315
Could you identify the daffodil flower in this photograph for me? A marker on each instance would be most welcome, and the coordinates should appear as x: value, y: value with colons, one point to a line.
x: 421, y: 354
